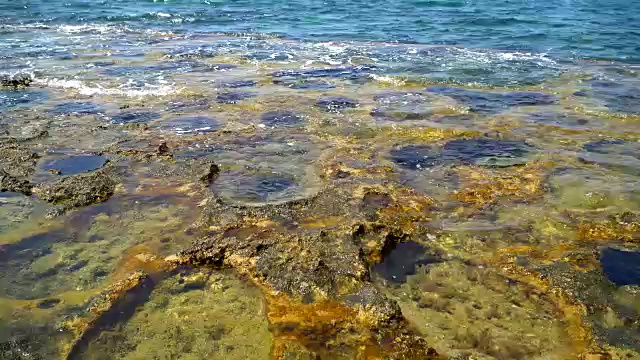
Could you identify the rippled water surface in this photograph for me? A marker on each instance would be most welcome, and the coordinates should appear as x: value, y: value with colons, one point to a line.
x: 420, y: 179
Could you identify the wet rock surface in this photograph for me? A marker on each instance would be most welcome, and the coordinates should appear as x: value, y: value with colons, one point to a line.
x: 79, y: 190
x: 236, y: 84
x: 396, y: 223
x: 18, y: 80
x: 17, y: 165
x: 486, y: 102
x: 188, y: 105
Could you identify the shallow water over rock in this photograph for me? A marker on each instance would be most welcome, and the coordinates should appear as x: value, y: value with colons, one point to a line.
x: 304, y: 84
x: 403, y: 261
x: 336, y: 104
x: 615, y: 154
x: 617, y: 96
x: 134, y: 117
x: 77, y: 108
x: 70, y: 165
x: 281, y: 118
x: 19, y: 98
x: 259, y: 188
x: 487, y: 102
x: 185, y: 125
x: 468, y: 219
x: 482, y: 152
x: 234, y: 97
x: 620, y: 266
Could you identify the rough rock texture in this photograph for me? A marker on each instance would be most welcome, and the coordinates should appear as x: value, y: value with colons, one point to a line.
x: 15, y: 80
x: 314, y: 257
x: 79, y: 190
x: 17, y: 164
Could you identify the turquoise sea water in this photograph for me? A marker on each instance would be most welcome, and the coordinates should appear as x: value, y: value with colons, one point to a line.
x: 568, y: 29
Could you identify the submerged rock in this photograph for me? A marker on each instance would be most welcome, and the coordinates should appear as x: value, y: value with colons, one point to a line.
x: 181, y: 65
x: 236, y: 84
x: 74, y: 164
x: 403, y: 260
x: 19, y: 98
x: 614, y: 154
x: 188, y: 105
x: 257, y: 188
x: 134, y: 117
x: 416, y: 156
x: 336, y: 104
x: 281, y: 118
x: 621, y: 267
x: 320, y: 276
x: 559, y: 119
x: 234, y: 97
x: 79, y: 190
x: 481, y: 151
x: 487, y: 152
x: 304, y: 84
x: 191, y: 125
x: 355, y: 72
x: 77, y: 108
x: 493, y: 102
x: 398, y: 106
x: 617, y: 96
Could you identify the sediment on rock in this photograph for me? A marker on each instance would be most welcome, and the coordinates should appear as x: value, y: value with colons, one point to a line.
x: 308, y: 271
x: 79, y: 190
x: 17, y: 165
x: 116, y: 304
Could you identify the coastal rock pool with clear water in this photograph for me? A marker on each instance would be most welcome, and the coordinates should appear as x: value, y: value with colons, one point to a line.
x: 415, y: 179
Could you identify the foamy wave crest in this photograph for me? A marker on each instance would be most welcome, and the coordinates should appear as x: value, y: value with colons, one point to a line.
x: 128, y: 90
x: 93, y: 29
x: 488, y: 56
x: 390, y: 80
x: 24, y: 27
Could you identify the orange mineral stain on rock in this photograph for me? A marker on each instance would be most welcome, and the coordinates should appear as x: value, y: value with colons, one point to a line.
x: 573, y: 313
x: 330, y: 330
x: 481, y: 187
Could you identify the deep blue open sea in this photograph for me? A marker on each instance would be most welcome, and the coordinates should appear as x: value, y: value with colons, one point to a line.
x: 566, y: 29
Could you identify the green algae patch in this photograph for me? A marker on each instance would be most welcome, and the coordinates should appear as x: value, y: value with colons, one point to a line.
x: 471, y: 311
x: 198, y: 314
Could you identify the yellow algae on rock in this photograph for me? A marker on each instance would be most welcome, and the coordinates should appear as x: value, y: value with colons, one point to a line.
x: 472, y: 311
x: 481, y: 187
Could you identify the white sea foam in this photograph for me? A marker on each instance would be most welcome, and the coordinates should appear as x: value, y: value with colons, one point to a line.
x: 92, y: 28
x: 391, y: 80
x: 123, y: 90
